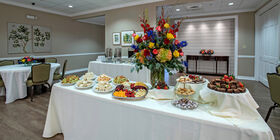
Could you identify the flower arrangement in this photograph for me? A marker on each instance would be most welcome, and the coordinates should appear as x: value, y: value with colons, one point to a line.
x: 203, y: 51
x: 158, y: 49
x: 27, y: 60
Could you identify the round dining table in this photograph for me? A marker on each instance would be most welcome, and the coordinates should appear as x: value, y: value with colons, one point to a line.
x: 15, y: 77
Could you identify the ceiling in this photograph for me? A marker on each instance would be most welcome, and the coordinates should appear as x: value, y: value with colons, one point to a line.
x: 100, y: 20
x: 213, y: 7
x: 80, y: 7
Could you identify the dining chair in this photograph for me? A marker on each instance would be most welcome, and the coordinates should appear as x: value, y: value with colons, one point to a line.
x: 278, y: 69
x: 58, y: 76
x: 40, y: 75
x: 273, y: 82
x: 51, y: 60
x: 1, y: 83
x: 6, y: 62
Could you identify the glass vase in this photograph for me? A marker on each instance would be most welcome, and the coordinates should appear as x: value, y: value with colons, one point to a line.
x: 157, y: 75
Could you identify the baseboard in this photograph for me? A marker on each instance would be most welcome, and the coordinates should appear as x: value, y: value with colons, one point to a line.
x: 76, y: 71
x: 246, y: 78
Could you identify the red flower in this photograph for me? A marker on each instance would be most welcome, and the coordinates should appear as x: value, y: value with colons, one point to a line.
x: 166, y: 41
x: 139, y: 40
x: 177, y: 42
x: 174, y: 36
x: 133, y: 34
x: 28, y: 60
x: 155, y: 51
x: 182, y: 53
x: 180, y: 50
x: 145, y: 37
x: 158, y: 28
x: 142, y: 25
x: 173, y: 26
x: 146, y: 52
x: 171, y: 31
x: 148, y: 25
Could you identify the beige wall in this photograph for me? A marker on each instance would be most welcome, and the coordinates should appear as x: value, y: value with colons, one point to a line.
x: 246, y: 41
x: 68, y: 35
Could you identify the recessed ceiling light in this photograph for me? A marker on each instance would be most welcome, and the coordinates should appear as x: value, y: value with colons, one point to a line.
x: 70, y: 6
x: 177, y: 10
x: 231, y: 3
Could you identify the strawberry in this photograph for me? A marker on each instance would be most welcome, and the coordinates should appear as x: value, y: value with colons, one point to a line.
x: 227, y: 80
x: 158, y: 87
x: 230, y: 78
x: 240, y: 84
x: 228, y: 86
x: 165, y: 87
x: 225, y: 76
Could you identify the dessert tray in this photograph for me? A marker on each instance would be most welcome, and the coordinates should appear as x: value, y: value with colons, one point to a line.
x: 227, y: 84
x: 131, y: 91
x: 70, y: 80
x: 103, y: 87
x: 84, y: 84
x: 119, y: 80
x: 103, y: 78
x: 185, y: 103
x: 196, y: 79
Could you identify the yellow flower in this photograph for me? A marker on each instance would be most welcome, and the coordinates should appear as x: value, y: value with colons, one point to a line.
x: 137, y: 55
x: 166, y: 25
x: 151, y: 45
x: 176, y: 53
x: 23, y: 60
x: 136, y: 37
x: 164, y: 55
x: 169, y: 36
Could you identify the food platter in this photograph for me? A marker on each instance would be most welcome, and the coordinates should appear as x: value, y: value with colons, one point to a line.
x: 119, y: 80
x: 104, y: 87
x: 84, y: 84
x: 89, y: 75
x: 69, y: 80
x: 103, y: 78
x: 135, y: 91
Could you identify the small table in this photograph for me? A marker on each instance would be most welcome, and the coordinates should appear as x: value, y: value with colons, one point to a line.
x: 15, y: 77
x: 208, y: 58
x: 117, y: 69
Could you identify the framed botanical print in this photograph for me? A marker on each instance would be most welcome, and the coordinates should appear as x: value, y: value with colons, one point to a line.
x: 41, y: 39
x: 139, y: 33
x: 127, y: 38
x: 116, y: 38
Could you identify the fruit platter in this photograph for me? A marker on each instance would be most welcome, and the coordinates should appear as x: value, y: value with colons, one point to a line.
x: 227, y: 84
x: 103, y: 87
x: 84, y: 84
x: 89, y: 75
x: 131, y: 91
x: 196, y: 79
x: 120, y: 79
x: 70, y: 80
x: 103, y: 78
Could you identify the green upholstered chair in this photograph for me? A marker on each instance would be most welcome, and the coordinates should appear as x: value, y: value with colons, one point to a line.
x: 6, y: 62
x: 51, y: 60
x: 40, y: 75
x: 278, y: 69
x: 58, y: 76
x: 273, y: 82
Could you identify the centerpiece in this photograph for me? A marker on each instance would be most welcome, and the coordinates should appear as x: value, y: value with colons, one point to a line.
x: 158, y: 49
x: 27, y: 61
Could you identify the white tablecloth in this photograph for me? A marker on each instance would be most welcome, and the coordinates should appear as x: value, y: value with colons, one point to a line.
x: 113, y: 70
x: 15, y: 77
x: 85, y: 115
x: 230, y: 105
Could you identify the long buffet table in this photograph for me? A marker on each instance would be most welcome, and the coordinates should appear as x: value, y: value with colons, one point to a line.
x: 85, y: 115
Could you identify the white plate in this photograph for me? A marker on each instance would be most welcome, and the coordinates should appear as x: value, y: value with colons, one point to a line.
x: 68, y: 84
x: 103, y: 81
x: 94, y: 77
x: 113, y: 87
x: 84, y: 87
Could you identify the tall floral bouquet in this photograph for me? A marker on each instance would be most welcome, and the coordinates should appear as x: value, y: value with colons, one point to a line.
x: 158, y: 49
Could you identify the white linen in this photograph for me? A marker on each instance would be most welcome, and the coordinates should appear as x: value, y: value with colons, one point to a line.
x: 113, y: 70
x: 230, y: 105
x: 197, y: 88
x: 161, y: 94
x: 85, y: 115
x: 15, y: 77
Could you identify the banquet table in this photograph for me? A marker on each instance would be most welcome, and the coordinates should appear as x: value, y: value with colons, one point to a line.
x: 117, y: 69
x: 85, y: 115
x: 15, y: 77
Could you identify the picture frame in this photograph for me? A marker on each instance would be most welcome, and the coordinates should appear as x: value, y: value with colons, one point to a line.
x: 41, y: 39
x: 116, y: 38
x: 127, y: 38
x: 140, y: 33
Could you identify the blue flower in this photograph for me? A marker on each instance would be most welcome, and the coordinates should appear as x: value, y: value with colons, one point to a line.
x: 150, y: 33
x: 185, y: 64
x: 183, y: 44
x: 133, y: 46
